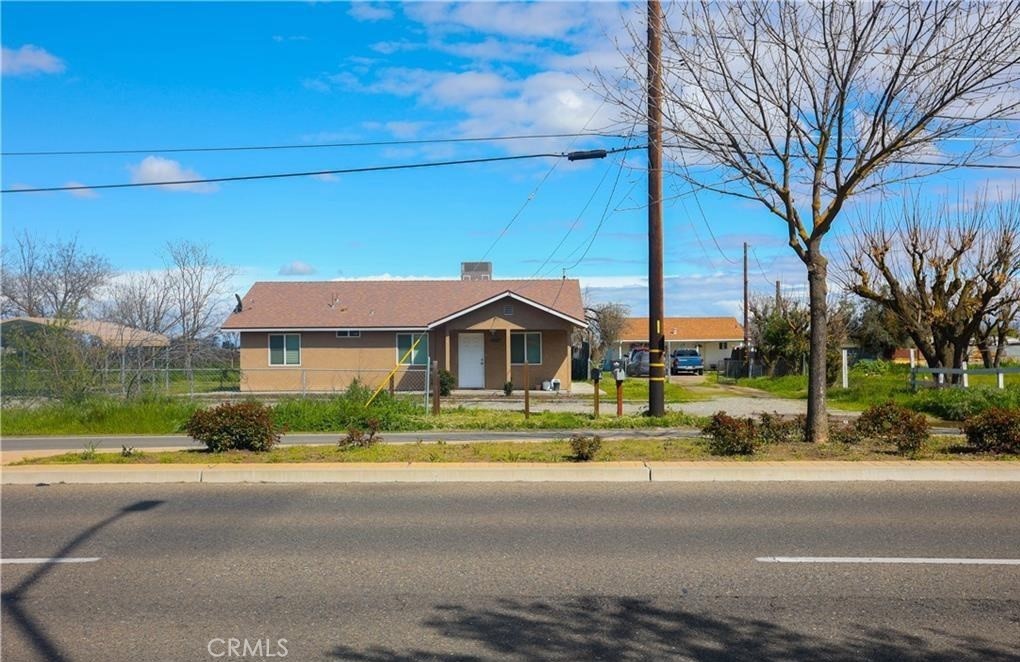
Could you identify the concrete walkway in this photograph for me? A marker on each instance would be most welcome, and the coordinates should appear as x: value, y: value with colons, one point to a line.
x: 706, y: 471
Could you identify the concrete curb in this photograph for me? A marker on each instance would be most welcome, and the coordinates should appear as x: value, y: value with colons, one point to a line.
x: 820, y: 471
x: 166, y: 473
x: 708, y: 471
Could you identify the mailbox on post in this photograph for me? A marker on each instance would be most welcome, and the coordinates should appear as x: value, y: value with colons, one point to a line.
x: 596, y: 375
x: 619, y: 374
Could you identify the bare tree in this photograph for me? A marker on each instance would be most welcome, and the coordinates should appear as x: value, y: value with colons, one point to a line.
x: 143, y: 301
x: 51, y: 280
x: 198, y: 284
x: 941, y: 273
x: 605, y: 324
x: 800, y: 106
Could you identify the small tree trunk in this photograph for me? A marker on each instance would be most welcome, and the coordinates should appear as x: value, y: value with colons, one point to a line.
x: 817, y: 414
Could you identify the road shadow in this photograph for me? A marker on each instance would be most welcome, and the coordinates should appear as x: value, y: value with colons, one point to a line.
x: 19, y: 615
x: 600, y: 628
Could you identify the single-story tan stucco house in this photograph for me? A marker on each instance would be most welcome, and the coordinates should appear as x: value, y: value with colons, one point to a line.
x: 319, y: 336
x: 714, y: 337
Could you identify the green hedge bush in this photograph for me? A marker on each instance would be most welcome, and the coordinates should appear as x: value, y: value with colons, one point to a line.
x: 235, y: 426
x: 584, y: 446
x: 731, y: 436
x: 995, y: 430
x: 891, y: 422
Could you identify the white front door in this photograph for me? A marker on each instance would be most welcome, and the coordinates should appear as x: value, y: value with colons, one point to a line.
x: 471, y: 360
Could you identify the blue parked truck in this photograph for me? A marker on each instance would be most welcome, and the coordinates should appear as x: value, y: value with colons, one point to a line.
x: 686, y: 361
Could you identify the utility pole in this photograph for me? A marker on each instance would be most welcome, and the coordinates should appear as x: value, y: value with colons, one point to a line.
x: 656, y: 339
x: 779, y: 296
x: 747, y: 346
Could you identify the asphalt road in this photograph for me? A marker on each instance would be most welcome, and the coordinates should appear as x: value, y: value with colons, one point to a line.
x: 522, y: 572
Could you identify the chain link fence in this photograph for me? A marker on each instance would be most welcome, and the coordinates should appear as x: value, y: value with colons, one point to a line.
x: 18, y: 382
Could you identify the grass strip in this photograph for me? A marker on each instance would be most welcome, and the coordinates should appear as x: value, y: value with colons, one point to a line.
x: 937, y: 448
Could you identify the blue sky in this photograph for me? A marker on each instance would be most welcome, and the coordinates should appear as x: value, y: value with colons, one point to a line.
x: 151, y: 76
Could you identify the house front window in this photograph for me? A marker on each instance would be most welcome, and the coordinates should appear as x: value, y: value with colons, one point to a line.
x: 285, y: 349
x: 724, y: 345
x: 526, y: 341
x: 409, y: 353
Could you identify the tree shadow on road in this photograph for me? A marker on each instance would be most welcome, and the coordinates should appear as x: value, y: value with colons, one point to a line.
x: 601, y: 628
x: 13, y: 600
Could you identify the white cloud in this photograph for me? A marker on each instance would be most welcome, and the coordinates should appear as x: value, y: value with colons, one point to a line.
x: 370, y: 11
x: 81, y: 192
x: 518, y: 19
x: 279, y: 38
x: 157, y: 169
x: 29, y: 60
x: 326, y: 177
x: 297, y: 268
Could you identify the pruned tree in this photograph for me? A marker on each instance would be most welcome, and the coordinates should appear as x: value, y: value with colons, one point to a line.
x: 43, y: 279
x: 994, y: 331
x: 801, y: 106
x: 942, y: 273
x: 605, y: 324
x: 197, y: 283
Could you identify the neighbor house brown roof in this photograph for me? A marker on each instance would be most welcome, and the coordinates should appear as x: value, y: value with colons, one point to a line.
x: 685, y: 329
x: 370, y: 304
x: 108, y: 333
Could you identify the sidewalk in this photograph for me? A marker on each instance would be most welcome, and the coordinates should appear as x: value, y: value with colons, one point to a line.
x: 707, y: 471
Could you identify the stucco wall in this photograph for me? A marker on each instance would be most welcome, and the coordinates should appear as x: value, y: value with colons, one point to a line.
x: 328, y: 363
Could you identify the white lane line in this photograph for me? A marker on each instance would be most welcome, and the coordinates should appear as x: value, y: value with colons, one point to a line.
x: 66, y: 559
x: 917, y: 560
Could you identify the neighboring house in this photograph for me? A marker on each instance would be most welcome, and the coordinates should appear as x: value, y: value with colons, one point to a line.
x: 108, y: 334
x: 713, y: 337
x: 319, y: 336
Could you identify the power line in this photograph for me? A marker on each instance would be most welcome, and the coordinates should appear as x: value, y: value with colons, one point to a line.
x: 760, y: 268
x: 374, y: 143
x: 701, y: 210
x: 341, y: 171
x: 534, y: 193
x: 605, y: 215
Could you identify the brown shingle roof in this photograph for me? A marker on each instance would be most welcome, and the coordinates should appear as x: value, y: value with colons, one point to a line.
x: 685, y: 329
x: 387, y: 304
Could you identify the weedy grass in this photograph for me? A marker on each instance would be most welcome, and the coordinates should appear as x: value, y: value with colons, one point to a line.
x: 615, y: 450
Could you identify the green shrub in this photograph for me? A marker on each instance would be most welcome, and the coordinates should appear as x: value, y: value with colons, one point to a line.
x: 359, y: 438
x: 844, y: 432
x: 870, y: 367
x: 893, y: 423
x: 508, y: 389
x: 774, y: 429
x: 731, y: 436
x: 958, y: 404
x: 995, y: 430
x: 585, y: 447
x: 446, y: 382
x: 235, y: 426
x: 347, y: 410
